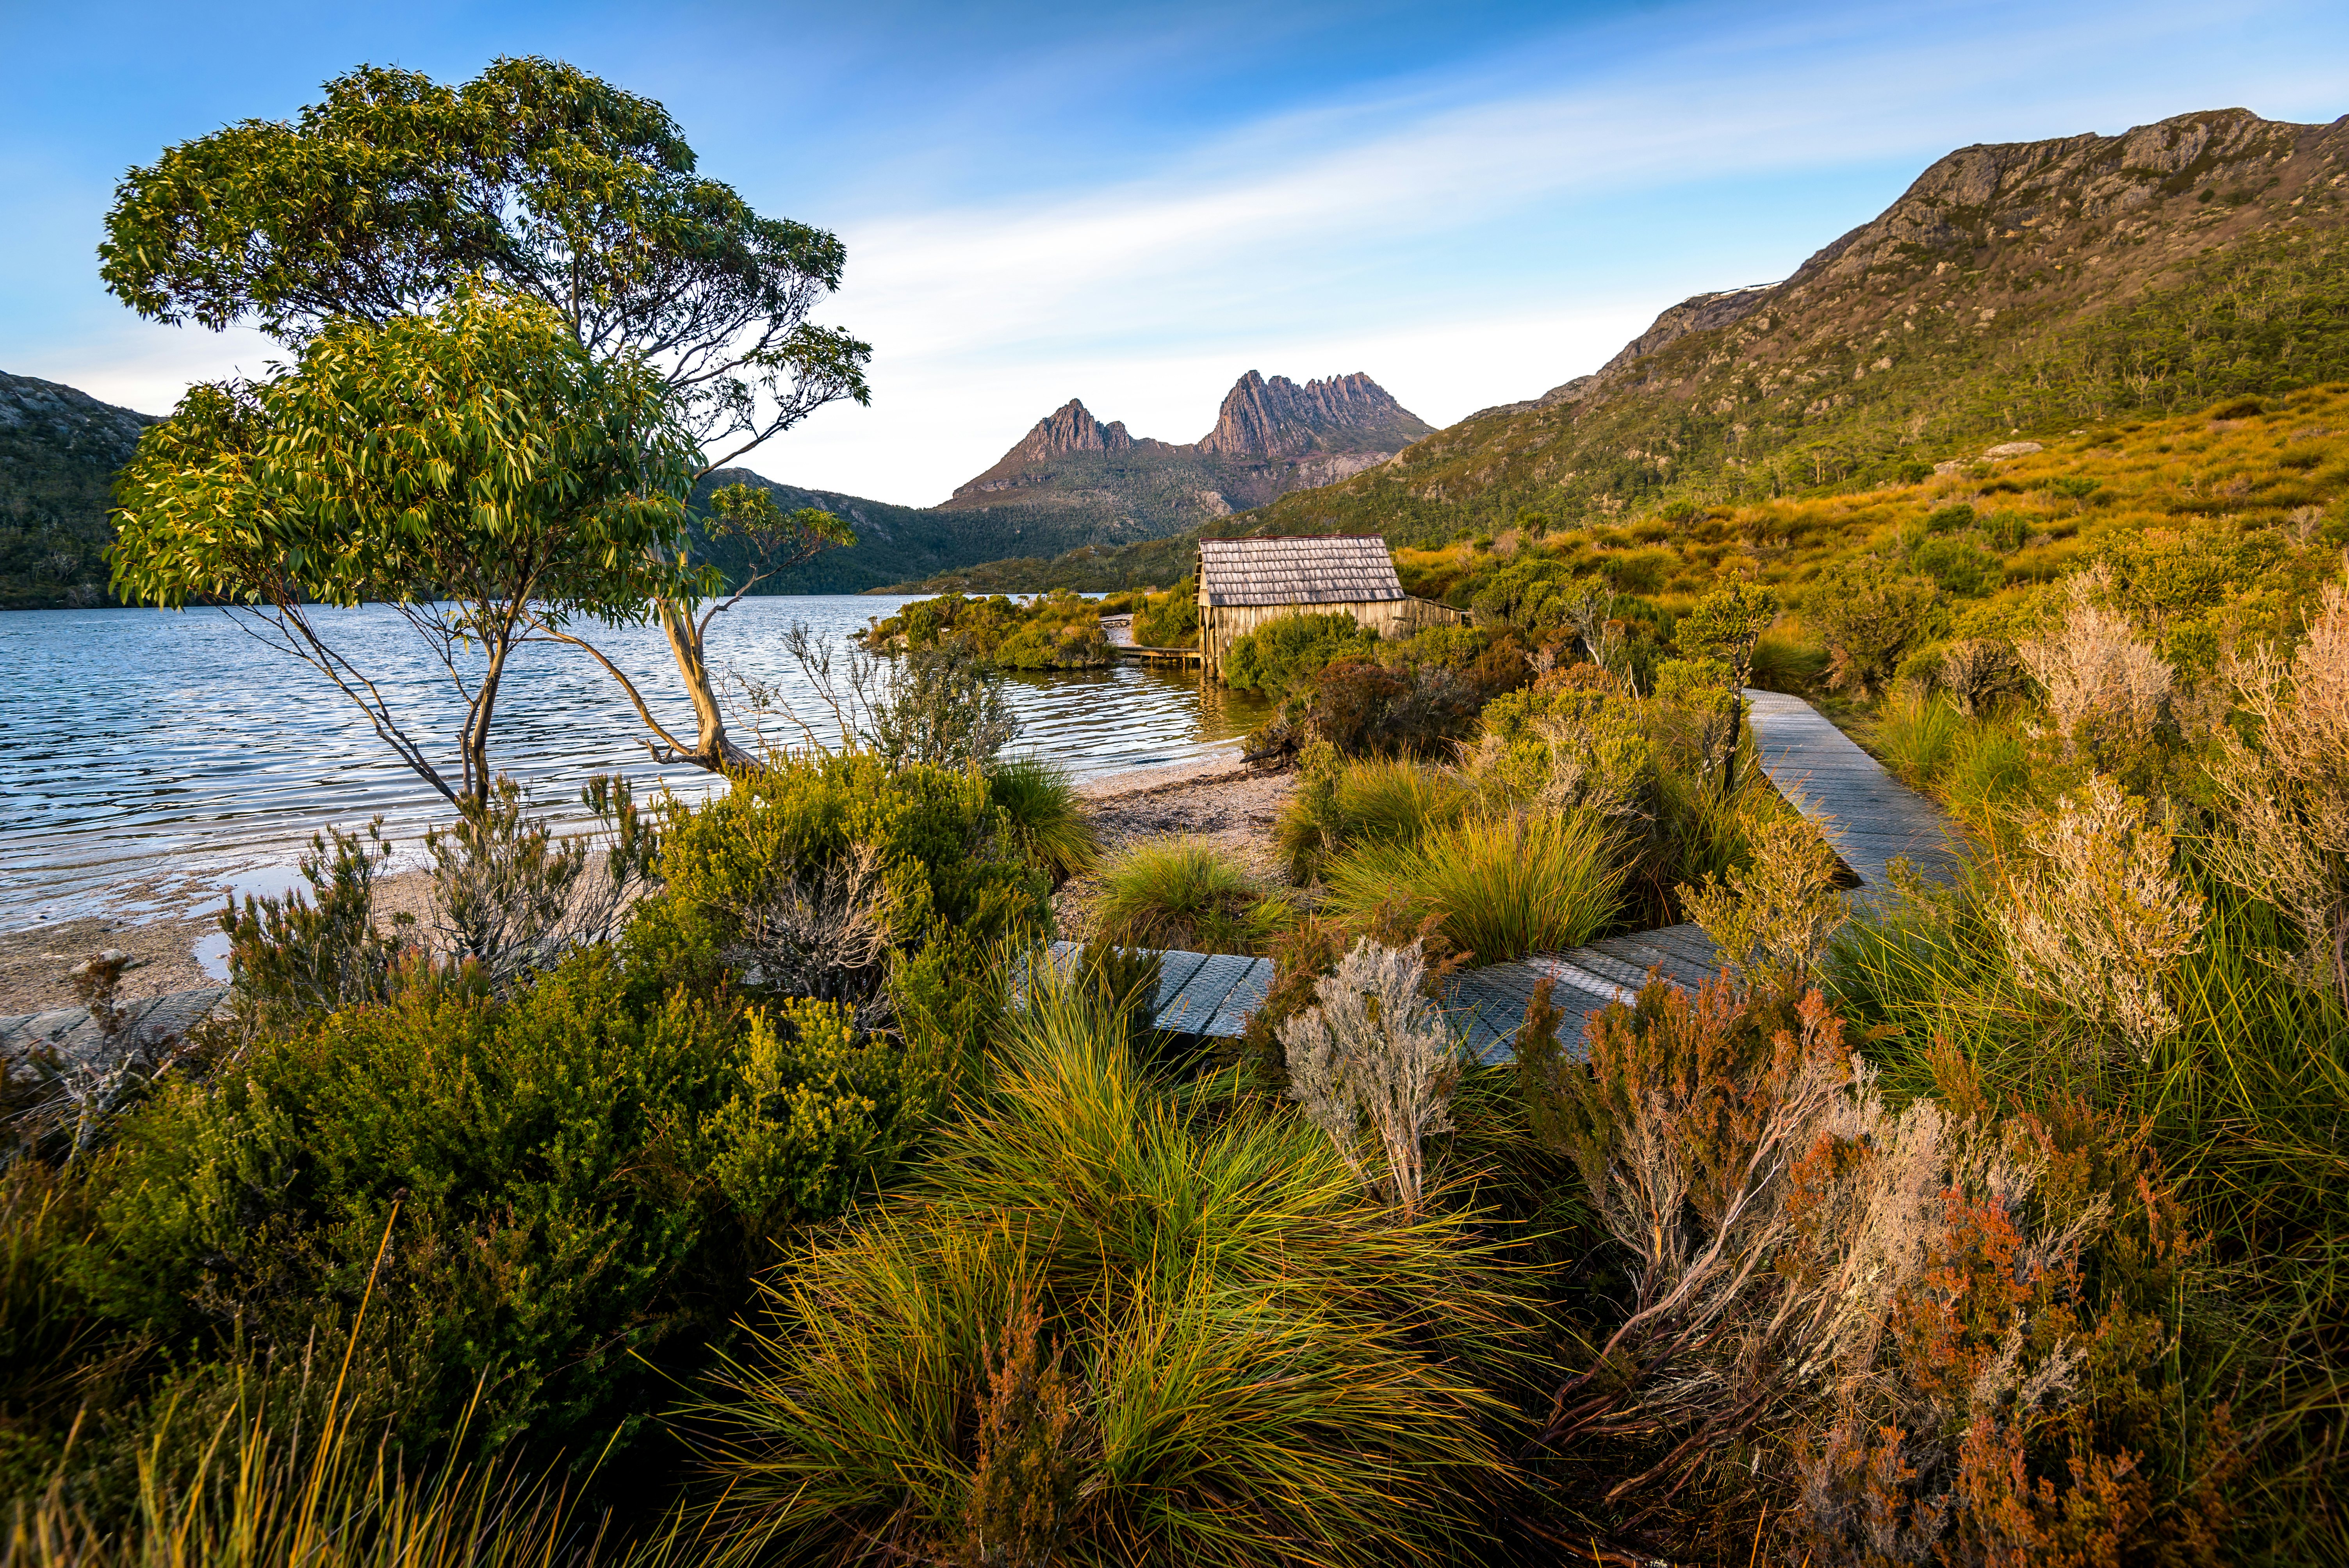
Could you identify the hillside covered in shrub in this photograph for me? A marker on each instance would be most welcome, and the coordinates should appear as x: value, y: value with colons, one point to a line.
x: 2016, y: 291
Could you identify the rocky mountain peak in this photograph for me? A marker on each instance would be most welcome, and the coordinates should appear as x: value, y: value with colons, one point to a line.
x: 1279, y: 419
x: 1070, y: 427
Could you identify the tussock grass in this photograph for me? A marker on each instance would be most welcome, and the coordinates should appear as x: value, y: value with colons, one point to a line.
x: 1045, y: 815
x: 1916, y: 733
x: 1380, y: 800
x: 1500, y: 887
x: 1183, y: 893
x: 1238, y: 1358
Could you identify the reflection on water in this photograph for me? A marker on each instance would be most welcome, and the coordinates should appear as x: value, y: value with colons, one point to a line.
x: 147, y: 759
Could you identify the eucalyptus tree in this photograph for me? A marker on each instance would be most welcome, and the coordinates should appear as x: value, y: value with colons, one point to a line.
x: 537, y: 179
x: 472, y: 466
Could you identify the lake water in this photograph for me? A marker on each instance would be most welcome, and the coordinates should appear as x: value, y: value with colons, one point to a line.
x: 149, y: 759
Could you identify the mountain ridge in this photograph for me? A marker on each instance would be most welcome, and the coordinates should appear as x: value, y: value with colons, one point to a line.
x: 1271, y: 436
x: 59, y: 450
x: 2014, y: 285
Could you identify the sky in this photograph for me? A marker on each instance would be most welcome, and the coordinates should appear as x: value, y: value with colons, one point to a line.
x: 1134, y: 204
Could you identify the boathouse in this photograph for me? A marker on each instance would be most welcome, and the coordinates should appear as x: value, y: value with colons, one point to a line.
x: 1243, y: 583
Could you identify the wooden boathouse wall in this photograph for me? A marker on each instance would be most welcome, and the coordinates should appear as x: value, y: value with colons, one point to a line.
x: 1244, y: 582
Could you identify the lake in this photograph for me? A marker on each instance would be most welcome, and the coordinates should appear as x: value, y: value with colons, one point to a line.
x: 149, y: 759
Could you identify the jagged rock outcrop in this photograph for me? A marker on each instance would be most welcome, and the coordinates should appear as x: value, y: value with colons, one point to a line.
x: 1271, y: 436
x: 1070, y: 427
x: 1279, y: 419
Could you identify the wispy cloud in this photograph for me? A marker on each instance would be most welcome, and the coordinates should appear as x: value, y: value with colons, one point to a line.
x: 1469, y: 233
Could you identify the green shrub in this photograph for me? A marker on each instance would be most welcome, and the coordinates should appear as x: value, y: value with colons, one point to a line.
x: 563, y: 1166
x: 1169, y: 620
x: 938, y: 853
x: 1869, y: 615
x: 1338, y: 804
x: 1498, y: 888
x: 1058, y: 630
x: 1183, y: 895
x: 1958, y: 567
x: 1275, y: 655
x: 1041, y: 810
x: 1957, y: 517
x: 943, y: 705
x: 1100, y: 1331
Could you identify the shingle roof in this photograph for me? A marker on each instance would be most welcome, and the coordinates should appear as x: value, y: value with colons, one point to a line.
x: 1347, y: 569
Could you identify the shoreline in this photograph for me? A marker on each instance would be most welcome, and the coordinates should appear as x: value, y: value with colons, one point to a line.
x: 164, y: 947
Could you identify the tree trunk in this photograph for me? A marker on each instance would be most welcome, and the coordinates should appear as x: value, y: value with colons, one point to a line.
x: 712, y: 751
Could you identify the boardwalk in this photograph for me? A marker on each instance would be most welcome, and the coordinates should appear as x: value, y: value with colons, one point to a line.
x: 1869, y: 817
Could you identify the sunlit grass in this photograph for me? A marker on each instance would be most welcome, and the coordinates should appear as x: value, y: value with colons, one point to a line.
x: 1184, y: 894
x: 1500, y: 887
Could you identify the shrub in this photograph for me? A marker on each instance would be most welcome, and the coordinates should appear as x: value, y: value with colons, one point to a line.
x: 1979, y: 672
x: 1169, y: 620
x: 1773, y: 920
x: 1958, y: 567
x: 294, y: 954
x: 1934, y: 1320
x: 1956, y: 517
x: 1202, y: 1343
x: 1275, y: 655
x: 1869, y: 614
x: 1373, y: 1054
x: 773, y: 870
x: 2287, y: 800
x: 944, y: 706
x: 1042, y: 811
x: 1183, y: 894
x: 1497, y: 888
x: 2108, y: 692
x: 1726, y: 625
x: 562, y: 1165
x: 2096, y: 917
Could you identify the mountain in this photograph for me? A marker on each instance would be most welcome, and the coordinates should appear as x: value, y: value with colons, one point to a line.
x: 895, y: 544
x: 1072, y: 484
x: 58, y: 452
x: 1270, y: 436
x: 2014, y: 287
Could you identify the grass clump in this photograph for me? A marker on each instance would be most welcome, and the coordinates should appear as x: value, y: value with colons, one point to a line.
x: 1183, y: 895
x: 1498, y: 887
x: 1338, y: 804
x: 1099, y: 1330
x: 1041, y: 808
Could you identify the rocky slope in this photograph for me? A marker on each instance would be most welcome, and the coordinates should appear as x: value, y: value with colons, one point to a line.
x: 2016, y: 287
x: 1270, y: 436
x: 58, y: 452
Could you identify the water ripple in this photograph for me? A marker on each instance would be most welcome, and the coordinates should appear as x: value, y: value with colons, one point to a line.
x: 148, y: 759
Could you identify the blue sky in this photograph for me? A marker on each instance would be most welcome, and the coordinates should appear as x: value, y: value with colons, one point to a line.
x: 1134, y: 204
